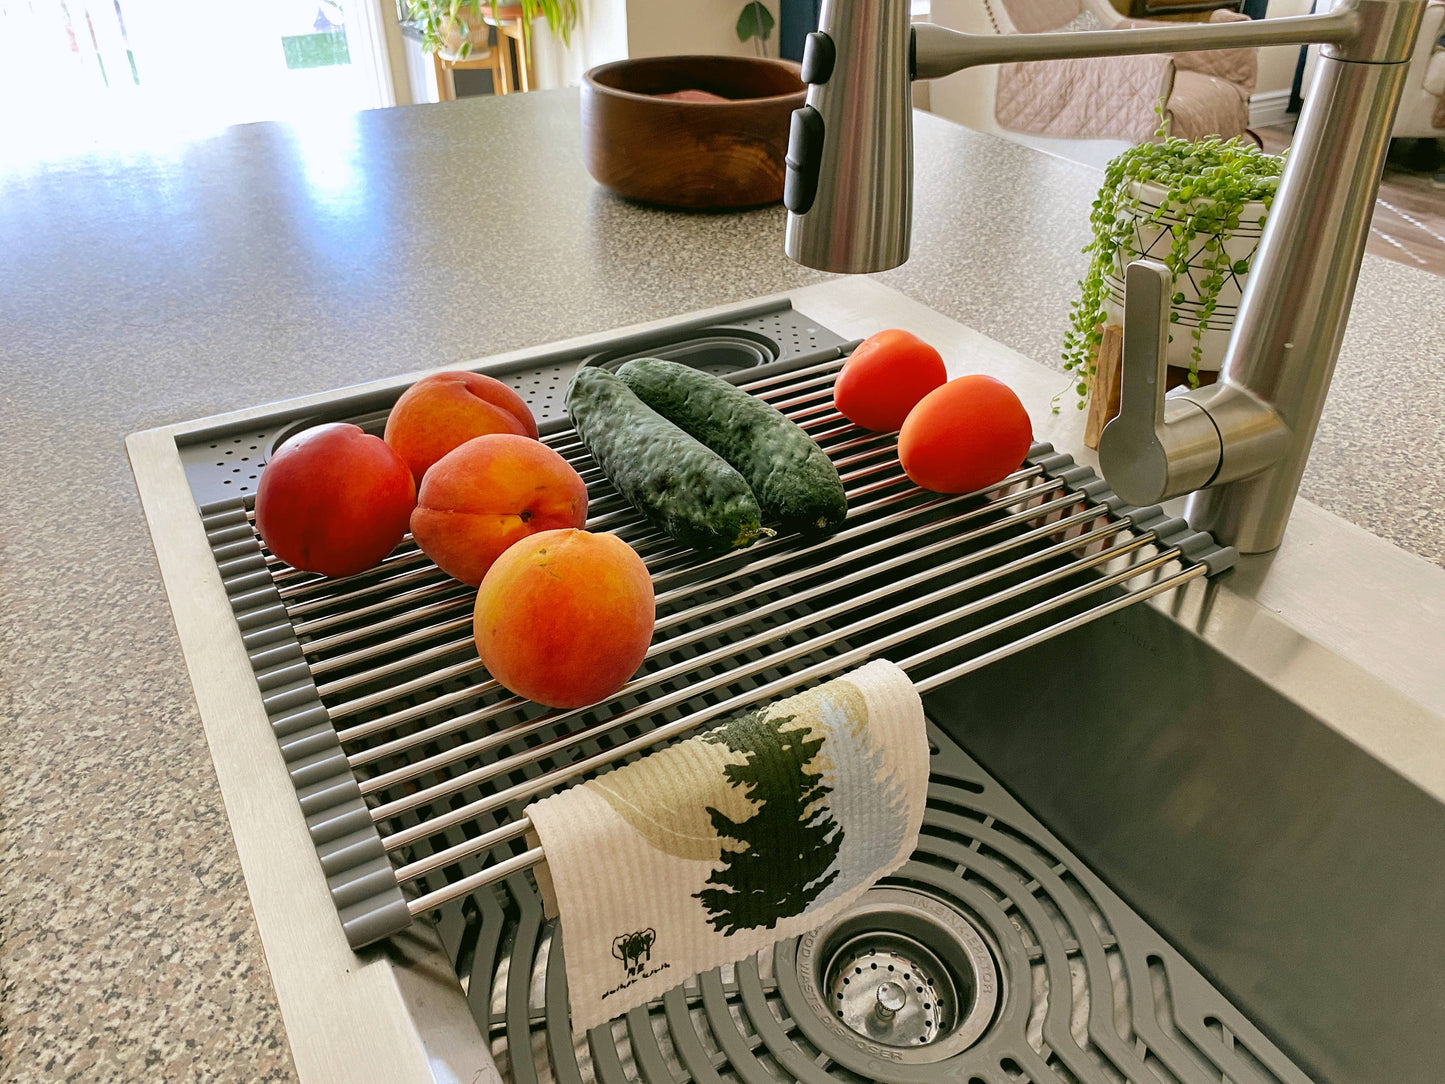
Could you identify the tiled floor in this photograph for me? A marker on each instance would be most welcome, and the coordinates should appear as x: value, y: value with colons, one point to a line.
x: 1409, y: 222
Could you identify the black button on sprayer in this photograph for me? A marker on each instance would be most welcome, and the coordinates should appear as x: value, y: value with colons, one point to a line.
x: 818, y: 57
x: 805, y: 154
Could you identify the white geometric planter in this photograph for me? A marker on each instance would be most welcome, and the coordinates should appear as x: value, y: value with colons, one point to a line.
x: 1153, y: 240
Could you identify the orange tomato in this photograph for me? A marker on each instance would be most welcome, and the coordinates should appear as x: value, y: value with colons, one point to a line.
x: 967, y: 435
x: 885, y: 378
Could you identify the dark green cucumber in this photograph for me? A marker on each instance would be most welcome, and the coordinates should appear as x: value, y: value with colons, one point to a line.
x: 679, y: 485
x: 794, y: 480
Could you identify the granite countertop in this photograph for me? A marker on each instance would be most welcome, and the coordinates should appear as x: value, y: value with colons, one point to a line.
x: 272, y: 261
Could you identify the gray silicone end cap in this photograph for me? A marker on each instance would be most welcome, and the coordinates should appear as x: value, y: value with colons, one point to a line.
x: 375, y: 919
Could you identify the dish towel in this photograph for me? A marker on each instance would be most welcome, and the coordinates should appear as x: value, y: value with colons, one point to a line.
x: 704, y: 852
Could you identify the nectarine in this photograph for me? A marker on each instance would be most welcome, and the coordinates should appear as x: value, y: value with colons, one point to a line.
x: 445, y: 410
x: 334, y: 499
x: 493, y: 490
x: 565, y: 617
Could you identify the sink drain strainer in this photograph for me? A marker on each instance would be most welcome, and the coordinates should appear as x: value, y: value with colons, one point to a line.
x: 902, y: 970
x: 892, y: 989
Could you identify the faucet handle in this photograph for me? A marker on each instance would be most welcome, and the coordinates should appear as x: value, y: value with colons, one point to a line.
x: 1153, y: 449
x: 1143, y: 368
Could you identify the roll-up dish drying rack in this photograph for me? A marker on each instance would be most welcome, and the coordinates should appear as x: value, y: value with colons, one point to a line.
x: 413, y: 767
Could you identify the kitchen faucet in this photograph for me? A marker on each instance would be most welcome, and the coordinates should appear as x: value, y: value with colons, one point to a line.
x: 1239, y: 446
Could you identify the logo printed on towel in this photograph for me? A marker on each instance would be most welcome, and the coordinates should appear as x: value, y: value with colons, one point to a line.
x: 634, y: 950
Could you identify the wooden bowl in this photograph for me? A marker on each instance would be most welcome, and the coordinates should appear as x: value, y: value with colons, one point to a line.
x: 696, y: 154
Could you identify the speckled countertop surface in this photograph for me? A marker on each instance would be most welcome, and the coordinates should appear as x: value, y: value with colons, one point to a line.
x: 273, y: 261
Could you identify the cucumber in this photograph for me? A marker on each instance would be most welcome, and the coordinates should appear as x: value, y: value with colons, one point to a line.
x: 794, y: 480
x: 679, y: 485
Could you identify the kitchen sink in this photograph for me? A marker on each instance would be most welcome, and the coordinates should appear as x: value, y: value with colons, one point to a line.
x: 1183, y: 825
x: 1296, y: 871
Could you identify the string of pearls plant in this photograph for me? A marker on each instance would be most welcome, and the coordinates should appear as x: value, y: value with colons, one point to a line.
x: 1208, y: 186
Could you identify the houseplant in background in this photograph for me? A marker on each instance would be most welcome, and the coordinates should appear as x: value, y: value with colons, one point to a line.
x: 755, y: 22
x: 1197, y: 207
x: 454, y: 27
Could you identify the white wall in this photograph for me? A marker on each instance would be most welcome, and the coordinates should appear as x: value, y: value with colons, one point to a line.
x: 600, y: 37
x: 668, y: 27
x: 1277, y: 63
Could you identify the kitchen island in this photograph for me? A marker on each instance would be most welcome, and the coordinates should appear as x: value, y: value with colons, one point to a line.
x: 276, y: 261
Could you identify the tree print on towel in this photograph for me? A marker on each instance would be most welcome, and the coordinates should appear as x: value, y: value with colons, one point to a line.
x: 786, y: 846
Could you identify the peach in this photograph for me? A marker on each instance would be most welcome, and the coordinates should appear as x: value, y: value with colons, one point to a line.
x: 565, y: 617
x: 485, y: 495
x: 334, y: 500
x: 445, y: 410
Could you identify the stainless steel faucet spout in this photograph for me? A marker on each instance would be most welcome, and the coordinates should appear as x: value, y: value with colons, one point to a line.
x: 1239, y: 446
x: 850, y: 155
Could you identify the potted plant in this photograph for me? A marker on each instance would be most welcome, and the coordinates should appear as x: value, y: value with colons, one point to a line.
x: 755, y: 23
x: 1199, y: 208
x: 453, y: 27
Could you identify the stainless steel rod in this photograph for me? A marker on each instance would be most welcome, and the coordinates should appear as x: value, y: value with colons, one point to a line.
x: 855, y: 531
x: 535, y: 856
x: 390, y: 583
x: 365, y: 654
x: 798, y: 415
x: 406, y: 664
x: 405, y: 599
x: 883, y: 545
x: 905, y: 609
x: 759, y: 386
x: 381, y: 696
x: 484, y: 842
x: 299, y: 596
x: 746, y: 618
x: 943, y: 677
x: 401, y: 620
x: 490, y: 875
x: 777, y: 398
x: 776, y: 553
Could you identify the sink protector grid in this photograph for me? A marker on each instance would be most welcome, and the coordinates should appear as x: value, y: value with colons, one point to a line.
x: 1088, y: 994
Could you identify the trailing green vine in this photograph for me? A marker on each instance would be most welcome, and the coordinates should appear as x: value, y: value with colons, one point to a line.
x: 435, y: 18
x: 1208, y: 186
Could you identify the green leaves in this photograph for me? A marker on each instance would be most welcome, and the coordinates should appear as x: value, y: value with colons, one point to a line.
x: 435, y: 17
x: 755, y: 21
x: 1206, y: 186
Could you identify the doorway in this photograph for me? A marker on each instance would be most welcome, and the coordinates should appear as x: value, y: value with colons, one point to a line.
x: 84, y: 75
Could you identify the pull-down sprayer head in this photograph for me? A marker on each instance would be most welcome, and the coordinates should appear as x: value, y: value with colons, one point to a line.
x: 849, y: 188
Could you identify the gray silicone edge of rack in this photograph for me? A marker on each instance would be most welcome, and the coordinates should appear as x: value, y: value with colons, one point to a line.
x: 358, y: 873
x: 1197, y: 547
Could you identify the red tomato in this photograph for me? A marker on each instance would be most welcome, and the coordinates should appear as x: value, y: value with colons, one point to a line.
x: 885, y: 378
x: 967, y: 435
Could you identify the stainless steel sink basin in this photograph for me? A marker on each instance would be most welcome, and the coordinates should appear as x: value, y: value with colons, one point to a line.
x: 1195, y: 839
x: 1301, y: 875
